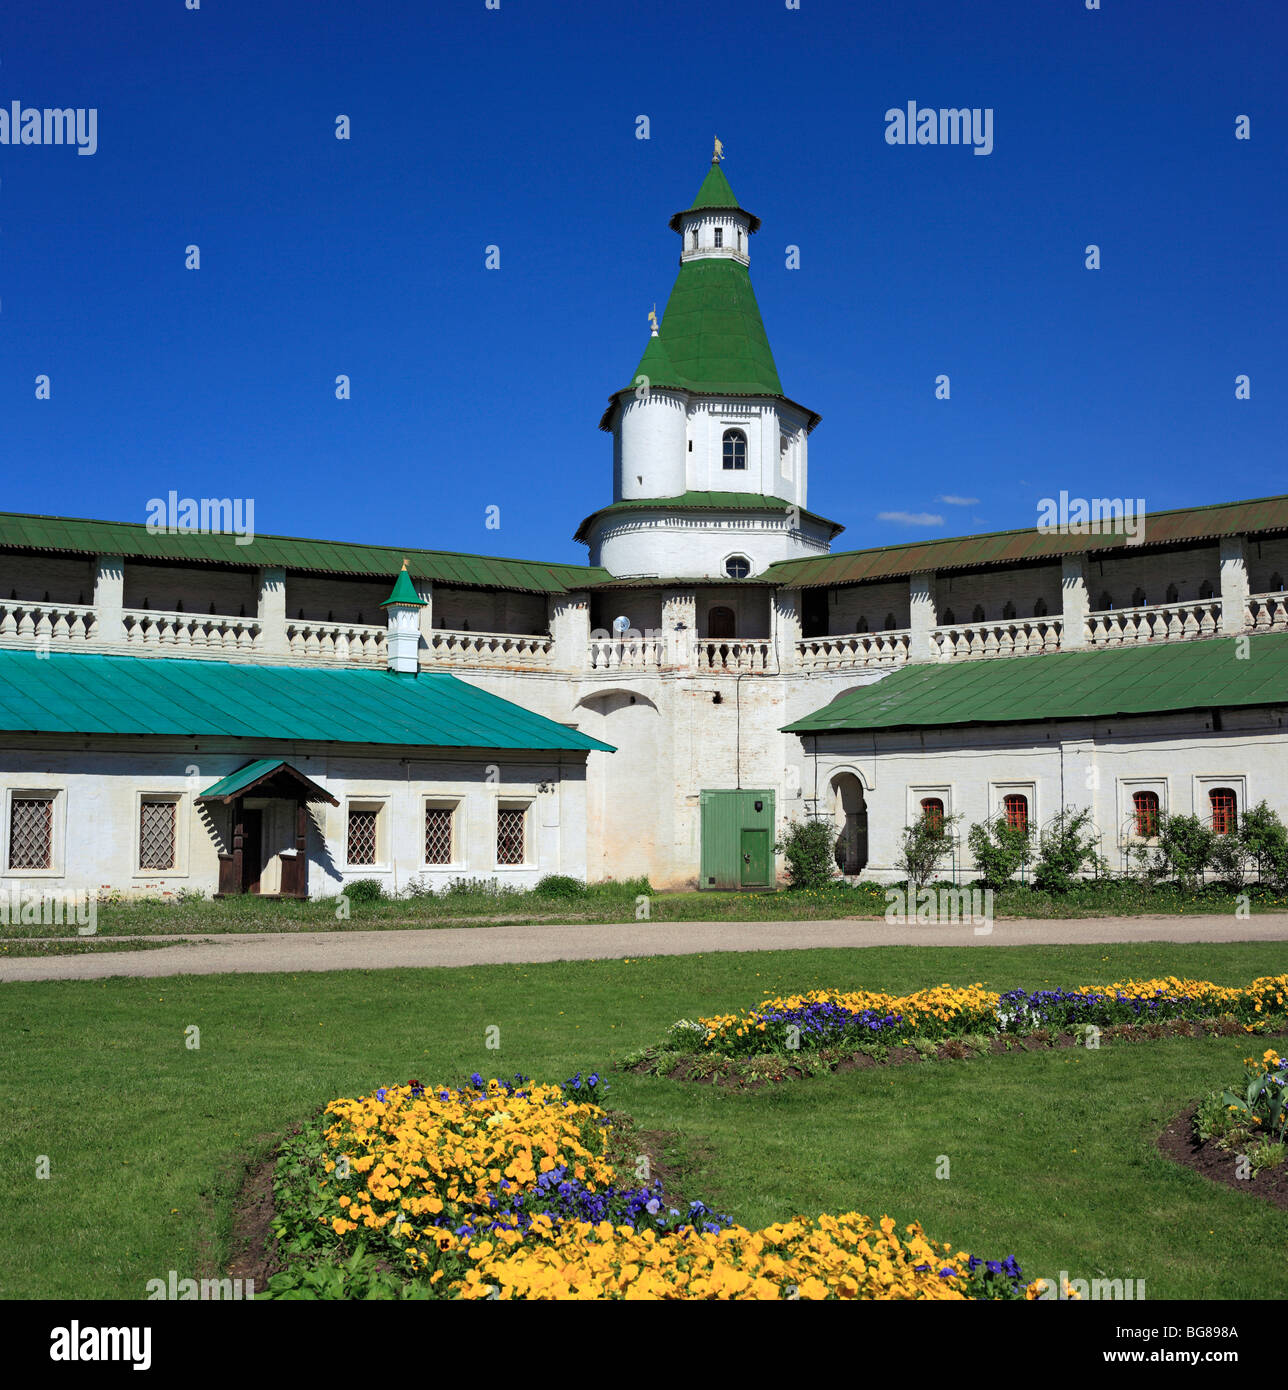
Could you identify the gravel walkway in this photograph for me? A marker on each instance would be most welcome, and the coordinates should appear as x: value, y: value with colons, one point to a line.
x: 263, y: 953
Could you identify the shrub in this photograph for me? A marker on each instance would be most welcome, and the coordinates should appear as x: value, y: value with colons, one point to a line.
x: 1265, y: 838
x: 1186, y: 846
x: 364, y: 890
x: 926, y: 844
x: 809, y: 848
x: 1066, y: 848
x: 1229, y: 860
x: 1000, y: 850
x: 561, y: 886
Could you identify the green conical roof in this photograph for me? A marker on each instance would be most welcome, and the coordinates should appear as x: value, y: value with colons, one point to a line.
x: 715, y: 191
x: 712, y: 336
x: 404, y: 591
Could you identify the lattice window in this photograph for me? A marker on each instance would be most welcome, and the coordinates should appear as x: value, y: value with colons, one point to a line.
x: 31, y: 832
x: 1145, y: 808
x: 1016, y: 810
x: 932, y: 812
x: 735, y: 449
x: 509, y: 834
x: 438, y: 835
x: 1225, y: 810
x: 362, y: 836
x: 156, y: 834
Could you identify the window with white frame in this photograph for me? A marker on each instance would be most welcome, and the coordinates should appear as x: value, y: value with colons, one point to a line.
x: 158, y: 833
x: 364, y: 833
x: 31, y: 830
x: 440, y: 832
x: 512, y: 832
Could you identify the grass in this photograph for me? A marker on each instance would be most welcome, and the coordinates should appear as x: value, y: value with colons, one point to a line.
x: 617, y: 902
x: 75, y: 946
x: 1051, y: 1153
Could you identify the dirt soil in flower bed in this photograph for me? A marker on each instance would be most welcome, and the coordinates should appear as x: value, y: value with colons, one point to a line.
x: 751, y: 1073
x: 1179, y: 1143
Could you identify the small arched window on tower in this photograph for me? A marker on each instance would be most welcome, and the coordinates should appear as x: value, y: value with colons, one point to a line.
x: 1015, y: 808
x: 735, y: 450
x: 932, y: 812
x: 719, y: 237
x: 693, y: 239
x: 1225, y: 811
x: 737, y: 567
x: 1145, y: 810
x: 740, y: 241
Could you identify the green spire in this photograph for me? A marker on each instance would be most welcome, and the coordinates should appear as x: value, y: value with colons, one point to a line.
x: 715, y: 191
x: 404, y: 591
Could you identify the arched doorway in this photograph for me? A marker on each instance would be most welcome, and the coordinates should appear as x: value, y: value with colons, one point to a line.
x: 721, y: 623
x: 850, y: 812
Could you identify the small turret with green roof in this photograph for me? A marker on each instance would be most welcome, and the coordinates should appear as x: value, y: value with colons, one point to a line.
x: 404, y: 591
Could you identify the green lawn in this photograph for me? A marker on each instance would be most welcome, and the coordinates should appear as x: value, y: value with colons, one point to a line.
x: 617, y: 902
x: 1051, y: 1154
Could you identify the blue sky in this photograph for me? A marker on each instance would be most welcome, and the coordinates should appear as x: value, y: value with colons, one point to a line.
x: 517, y: 127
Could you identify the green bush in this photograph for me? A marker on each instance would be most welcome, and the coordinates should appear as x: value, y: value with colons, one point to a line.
x: 1000, y: 850
x: 364, y: 890
x: 1265, y: 839
x: 560, y: 886
x: 1186, y: 847
x: 925, y: 845
x: 1066, y: 849
x: 809, y: 846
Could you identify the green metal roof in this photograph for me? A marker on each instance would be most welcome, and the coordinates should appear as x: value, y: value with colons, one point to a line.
x: 76, y: 694
x: 1148, y: 679
x: 404, y: 592
x: 715, y: 194
x: 134, y: 541
x: 266, y: 770
x: 1012, y: 547
x: 701, y: 502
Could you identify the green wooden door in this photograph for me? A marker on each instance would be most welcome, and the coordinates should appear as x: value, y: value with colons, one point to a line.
x: 755, y: 859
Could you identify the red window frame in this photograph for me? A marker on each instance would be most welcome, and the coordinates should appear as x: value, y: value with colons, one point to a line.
x: 932, y: 811
x: 1225, y: 810
x: 1015, y: 807
x: 1145, y: 809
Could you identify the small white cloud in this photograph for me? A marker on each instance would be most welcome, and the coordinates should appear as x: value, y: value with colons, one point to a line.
x: 959, y: 501
x: 912, y: 518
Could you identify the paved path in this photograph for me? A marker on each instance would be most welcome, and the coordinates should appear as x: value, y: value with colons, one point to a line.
x: 262, y: 953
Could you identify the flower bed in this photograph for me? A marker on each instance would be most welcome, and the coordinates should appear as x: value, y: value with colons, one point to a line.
x: 826, y: 1018
x: 505, y: 1189
x: 1251, y: 1116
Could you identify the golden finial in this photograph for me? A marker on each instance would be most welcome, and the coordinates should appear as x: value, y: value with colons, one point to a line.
x: 652, y: 318
x: 718, y: 153
x: 405, y: 566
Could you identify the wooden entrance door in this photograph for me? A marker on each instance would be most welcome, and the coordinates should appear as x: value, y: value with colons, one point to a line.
x: 252, y: 850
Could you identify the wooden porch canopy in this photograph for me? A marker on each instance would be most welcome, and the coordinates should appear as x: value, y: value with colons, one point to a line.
x: 240, y: 869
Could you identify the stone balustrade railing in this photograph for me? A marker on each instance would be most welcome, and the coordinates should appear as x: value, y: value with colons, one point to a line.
x: 59, y: 624
x: 1009, y: 637
x: 208, y: 632
x: 361, y: 643
x: 1158, y: 622
x: 885, y: 648
x: 507, y: 650
x: 735, y: 654
x: 1267, y: 613
x: 627, y: 653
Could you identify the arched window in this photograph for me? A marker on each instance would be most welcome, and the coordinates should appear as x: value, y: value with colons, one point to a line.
x: 719, y: 236
x: 1173, y: 594
x: 735, y: 449
x: 1040, y: 608
x: 1206, y: 590
x: 1106, y: 601
x: 1008, y: 611
x: 1138, y: 599
x: 693, y: 239
x: 1145, y: 810
x: 978, y: 615
x: 949, y: 617
x: 932, y: 811
x: 863, y: 625
x: 889, y: 622
x: 1277, y: 583
x: 1225, y: 810
x: 737, y: 567
x: 720, y: 623
x: 1015, y: 808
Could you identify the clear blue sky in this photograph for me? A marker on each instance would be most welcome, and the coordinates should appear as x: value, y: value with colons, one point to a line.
x: 517, y: 127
